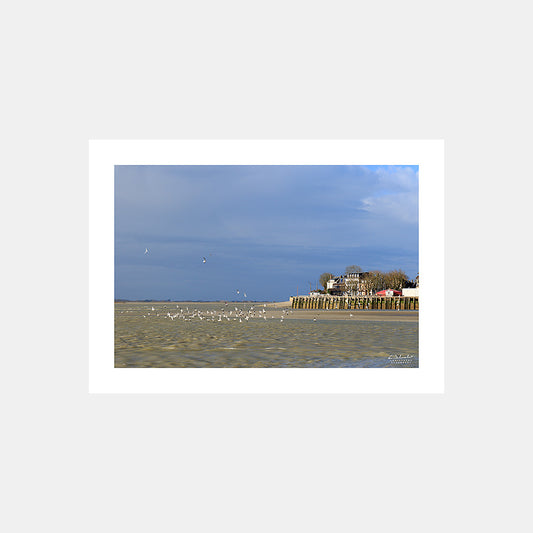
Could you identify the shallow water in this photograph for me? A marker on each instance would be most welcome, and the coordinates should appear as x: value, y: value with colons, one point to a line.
x: 237, y: 335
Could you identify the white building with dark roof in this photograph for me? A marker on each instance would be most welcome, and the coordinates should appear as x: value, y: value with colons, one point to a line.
x: 352, y: 284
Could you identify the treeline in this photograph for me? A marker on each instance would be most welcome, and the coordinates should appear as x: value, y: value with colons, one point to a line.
x: 372, y: 281
x: 376, y: 280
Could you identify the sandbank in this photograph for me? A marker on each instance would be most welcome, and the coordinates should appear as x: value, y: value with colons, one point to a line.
x: 279, y: 309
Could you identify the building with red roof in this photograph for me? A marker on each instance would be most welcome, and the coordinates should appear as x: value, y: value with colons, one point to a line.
x: 389, y: 292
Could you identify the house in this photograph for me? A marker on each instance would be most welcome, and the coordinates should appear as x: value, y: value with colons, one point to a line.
x: 352, y: 284
x: 336, y: 285
x: 355, y: 284
x: 410, y: 292
x: 389, y: 292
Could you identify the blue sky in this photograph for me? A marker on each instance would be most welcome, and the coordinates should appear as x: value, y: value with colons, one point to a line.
x: 264, y: 230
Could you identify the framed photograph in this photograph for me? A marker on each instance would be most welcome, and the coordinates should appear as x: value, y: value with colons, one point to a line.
x: 266, y: 266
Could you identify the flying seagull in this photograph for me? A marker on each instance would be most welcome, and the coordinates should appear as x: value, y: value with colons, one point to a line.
x: 204, y: 259
x: 145, y: 251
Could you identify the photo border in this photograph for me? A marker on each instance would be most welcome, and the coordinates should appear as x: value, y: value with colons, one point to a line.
x: 105, y: 378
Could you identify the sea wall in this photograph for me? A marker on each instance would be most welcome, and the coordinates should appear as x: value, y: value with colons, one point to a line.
x: 354, y: 302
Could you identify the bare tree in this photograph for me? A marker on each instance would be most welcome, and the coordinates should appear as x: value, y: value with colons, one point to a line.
x: 324, y: 278
x: 375, y: 281
x: 352, y: 269
x: 395, y: 279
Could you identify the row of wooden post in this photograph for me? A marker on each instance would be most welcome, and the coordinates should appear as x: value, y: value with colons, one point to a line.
x: 356, y: 302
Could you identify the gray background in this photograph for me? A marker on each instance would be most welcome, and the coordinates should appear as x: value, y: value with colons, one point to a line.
x: 373, y: 70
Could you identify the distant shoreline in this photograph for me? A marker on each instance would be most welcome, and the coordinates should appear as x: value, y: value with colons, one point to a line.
x: 381, y: 315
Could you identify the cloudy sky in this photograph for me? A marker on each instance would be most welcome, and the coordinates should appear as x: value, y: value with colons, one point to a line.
x: 269, y: 231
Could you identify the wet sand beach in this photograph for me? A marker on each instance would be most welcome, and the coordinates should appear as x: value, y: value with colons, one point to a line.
x: 374, y: 315
x: 260, y: 334
x: 277, y: 309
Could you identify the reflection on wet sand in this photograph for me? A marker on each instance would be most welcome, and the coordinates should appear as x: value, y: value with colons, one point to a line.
x: 239, y: 335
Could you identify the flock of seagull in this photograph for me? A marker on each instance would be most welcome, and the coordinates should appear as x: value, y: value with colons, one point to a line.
x: 187, y: 315
x: 222, y: 314
x: 240, y: 315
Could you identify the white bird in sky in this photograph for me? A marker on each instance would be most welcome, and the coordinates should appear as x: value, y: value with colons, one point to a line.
x: 204, y: 259
x: 145, y: 251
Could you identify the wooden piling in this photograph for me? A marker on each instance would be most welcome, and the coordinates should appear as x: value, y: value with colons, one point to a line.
x: 357, y: 302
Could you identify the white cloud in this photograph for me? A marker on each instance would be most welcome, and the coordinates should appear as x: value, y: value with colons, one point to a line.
x: 402, y: 206
x: 398, y: 178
